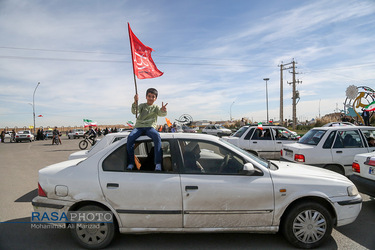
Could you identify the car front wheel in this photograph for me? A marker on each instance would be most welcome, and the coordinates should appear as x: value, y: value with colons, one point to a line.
x: 93, y: 235
x: 307, y: 225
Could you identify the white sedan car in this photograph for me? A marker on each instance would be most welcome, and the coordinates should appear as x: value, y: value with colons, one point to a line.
x: 332, y: 148
x: 206, y: 185
x: 99, y: 145
x: 24, y: 135
x: 364, y: 173
x: 76, y: 133
x: 216, y: 129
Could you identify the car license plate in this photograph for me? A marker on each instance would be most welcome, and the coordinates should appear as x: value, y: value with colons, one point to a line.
x: 289, y: 153
x: 371, y: 170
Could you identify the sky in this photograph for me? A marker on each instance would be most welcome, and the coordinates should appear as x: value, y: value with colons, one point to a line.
x: 214, y: 55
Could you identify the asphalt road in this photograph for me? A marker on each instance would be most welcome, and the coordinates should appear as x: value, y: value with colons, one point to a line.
x: 19, y: 165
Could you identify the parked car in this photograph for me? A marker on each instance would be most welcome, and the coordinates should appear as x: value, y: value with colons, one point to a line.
x: 206, y: 185
x: 24, y: 135
x: 48, y: 134
x: 216, y: 129
x: 124, y: 129
x: 8, y: 136
x: 335, y: 124
x: 99, y: 145
x: 332, y: 148
x: 187, y: 129
x: 76, y: 133
x: 364, y: 173
x: 265, y: 142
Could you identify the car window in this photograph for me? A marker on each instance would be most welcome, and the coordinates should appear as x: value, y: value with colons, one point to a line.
x: 240, y: 132
x: 329, y: 141
x: 368, y: 133
x: 116, y: 161
x: 118, y: 138
x: 208, y: 158
x: 282, y: 134
x: 248, y: 135
x: 348, y: 139
x: 144, y: 157
x: 260, y: 134
x: 312, y: 137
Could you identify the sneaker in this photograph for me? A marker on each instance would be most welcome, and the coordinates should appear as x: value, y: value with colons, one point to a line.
x: 158, y: 167
x: 130, y: 167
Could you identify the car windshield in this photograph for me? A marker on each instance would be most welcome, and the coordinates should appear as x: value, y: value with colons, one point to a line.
x: 253, y: 157
x: 312, y: 137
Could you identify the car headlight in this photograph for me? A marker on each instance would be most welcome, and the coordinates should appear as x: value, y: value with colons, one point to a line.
x: 352, y: 191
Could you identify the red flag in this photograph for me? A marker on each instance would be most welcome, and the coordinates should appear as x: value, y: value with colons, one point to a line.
x: 143, y: 65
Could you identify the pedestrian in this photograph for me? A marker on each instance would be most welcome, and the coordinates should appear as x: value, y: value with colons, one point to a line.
x: 13, y: 136
x: 146, y: 125
x: 366, y: 117
x: 2, y: 136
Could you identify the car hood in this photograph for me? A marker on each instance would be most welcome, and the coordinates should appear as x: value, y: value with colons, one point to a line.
x: 301, y: 171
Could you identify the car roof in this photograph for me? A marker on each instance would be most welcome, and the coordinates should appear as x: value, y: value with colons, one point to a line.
x: 343, y: 127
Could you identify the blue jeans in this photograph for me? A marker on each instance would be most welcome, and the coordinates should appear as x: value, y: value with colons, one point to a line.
x: 150, y: 132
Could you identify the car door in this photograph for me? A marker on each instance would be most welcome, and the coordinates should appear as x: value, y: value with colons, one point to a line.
x: 143, y: 199
x: 282, y: 136
x: 263, y: 143
x: 347, y: 144
x: 220, y: 196
x: 368, y: 133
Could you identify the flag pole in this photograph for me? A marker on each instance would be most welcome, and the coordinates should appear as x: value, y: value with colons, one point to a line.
x: 135, y: 81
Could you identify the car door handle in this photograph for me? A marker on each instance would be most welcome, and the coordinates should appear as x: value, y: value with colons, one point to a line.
x: 339, y: 152
x: 112, y: 185
x: 255, y: 142
x: 279, y: 142
x: 191, y: 188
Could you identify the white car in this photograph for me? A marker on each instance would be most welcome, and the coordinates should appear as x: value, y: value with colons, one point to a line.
x: 76, y: 133
x: 216, y: 129
x: 206, y: 185
x: 265, y: 142
x: 24, y: 135
x: 332, y: 148
x: 364, y: 173
x: 99, y: 145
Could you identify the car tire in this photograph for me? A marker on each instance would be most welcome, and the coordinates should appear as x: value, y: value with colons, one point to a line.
x: 307, y: 225
x: 335, y: 168
x: 93, y: 235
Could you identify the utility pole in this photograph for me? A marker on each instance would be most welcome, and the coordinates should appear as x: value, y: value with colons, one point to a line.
x: 294, y: 96
x: 281, y: 96
x: 282, y: 90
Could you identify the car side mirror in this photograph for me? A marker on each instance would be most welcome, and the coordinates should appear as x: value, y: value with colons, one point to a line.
x: 248, y: 169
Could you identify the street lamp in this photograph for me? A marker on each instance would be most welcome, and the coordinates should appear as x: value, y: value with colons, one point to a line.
x: 230, y: 111
x: 267, y: 79
x: 34, y: 105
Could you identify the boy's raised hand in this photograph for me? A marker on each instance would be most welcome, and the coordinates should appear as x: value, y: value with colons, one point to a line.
x: 136, y: 98
x: 164, y: 107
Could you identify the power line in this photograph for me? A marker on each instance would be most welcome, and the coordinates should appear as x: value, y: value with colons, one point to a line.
x: 127, y: 54
x: 121, y: 61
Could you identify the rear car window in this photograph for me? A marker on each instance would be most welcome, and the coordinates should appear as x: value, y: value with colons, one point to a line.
x: 312, y: 137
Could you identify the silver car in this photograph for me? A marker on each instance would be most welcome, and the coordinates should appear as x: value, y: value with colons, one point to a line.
x: 206, y: 185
